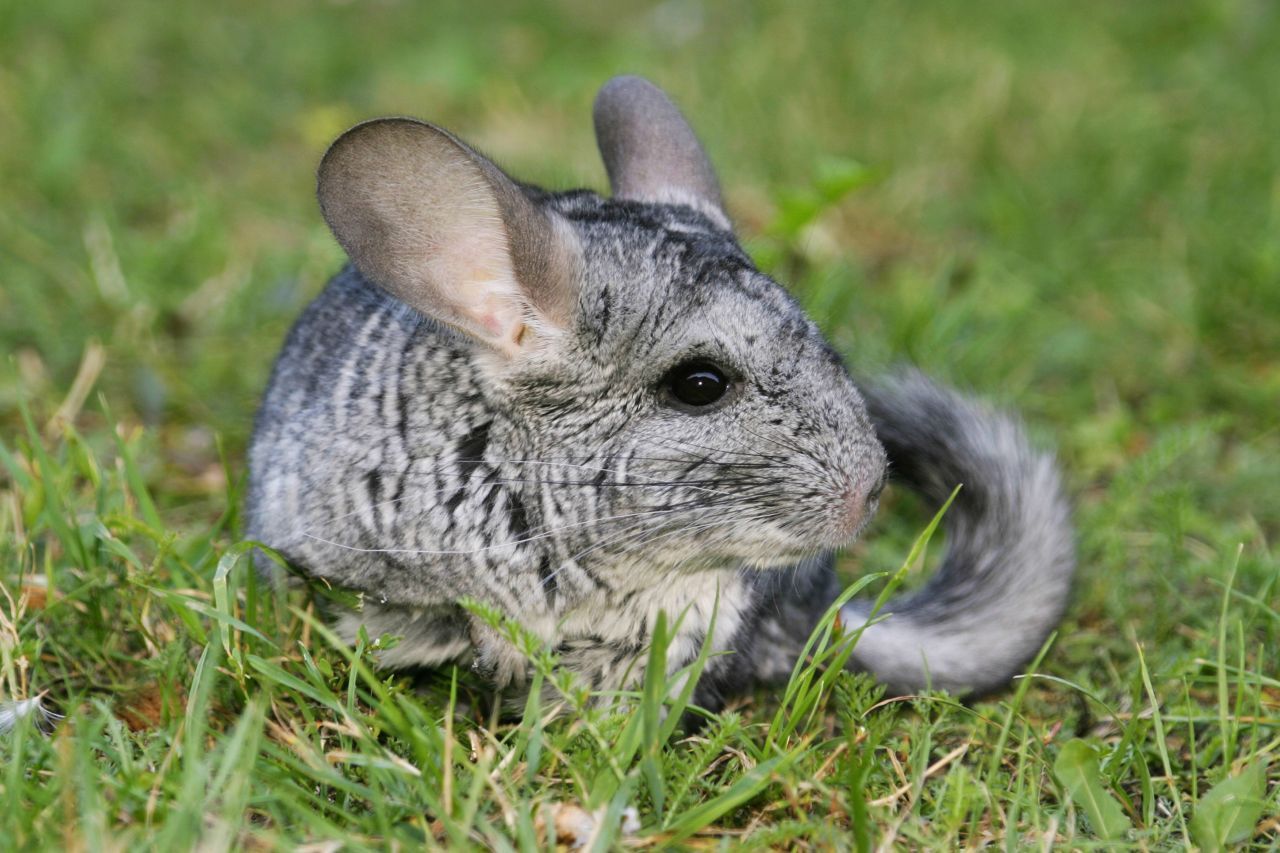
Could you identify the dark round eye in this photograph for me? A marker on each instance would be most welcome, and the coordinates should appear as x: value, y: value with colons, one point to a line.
x: 697, y: 383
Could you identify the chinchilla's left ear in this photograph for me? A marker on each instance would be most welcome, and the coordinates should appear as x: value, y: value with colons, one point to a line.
x: 441, y: 228
x: 650, y: 151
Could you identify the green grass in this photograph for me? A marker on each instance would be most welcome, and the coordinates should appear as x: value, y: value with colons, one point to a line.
x: 1071, y: 208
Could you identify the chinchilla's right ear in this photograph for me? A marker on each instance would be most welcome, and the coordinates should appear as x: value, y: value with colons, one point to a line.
x: 650, y: 151
x: 445, y: 231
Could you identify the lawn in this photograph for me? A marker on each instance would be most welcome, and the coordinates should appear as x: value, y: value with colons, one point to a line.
x: 1072, y: 209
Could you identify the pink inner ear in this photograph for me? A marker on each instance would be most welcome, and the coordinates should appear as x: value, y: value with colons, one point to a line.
x: 498, y: 316
x: 469, y: 284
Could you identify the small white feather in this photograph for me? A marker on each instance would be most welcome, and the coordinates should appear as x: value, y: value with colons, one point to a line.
x: 11, y: 713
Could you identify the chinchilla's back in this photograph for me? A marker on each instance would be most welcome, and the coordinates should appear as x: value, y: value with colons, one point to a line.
x: 295, y: 419
x: 370, y: 407
x: 305, y: 441
x: 320, y: 345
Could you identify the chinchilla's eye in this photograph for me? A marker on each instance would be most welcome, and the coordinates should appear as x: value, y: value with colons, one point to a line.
x: 697, y: 383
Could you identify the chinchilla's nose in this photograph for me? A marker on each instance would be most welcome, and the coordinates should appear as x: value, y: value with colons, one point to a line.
x: 861, y: 496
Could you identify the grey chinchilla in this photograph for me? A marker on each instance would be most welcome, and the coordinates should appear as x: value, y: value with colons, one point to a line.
x: 582, y: 411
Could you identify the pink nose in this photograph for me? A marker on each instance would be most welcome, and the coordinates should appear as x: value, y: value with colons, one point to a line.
x: 859, y: 501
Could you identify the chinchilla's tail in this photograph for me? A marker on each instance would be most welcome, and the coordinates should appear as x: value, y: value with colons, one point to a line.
x: 1006, y: 576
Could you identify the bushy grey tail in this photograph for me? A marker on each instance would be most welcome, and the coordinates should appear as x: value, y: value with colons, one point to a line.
x: 1006, y: 576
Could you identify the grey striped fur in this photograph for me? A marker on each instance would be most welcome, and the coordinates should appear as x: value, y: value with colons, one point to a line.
x: 425, y: 454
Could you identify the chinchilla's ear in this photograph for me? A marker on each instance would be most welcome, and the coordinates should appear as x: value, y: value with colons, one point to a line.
x: 445, y: 231
x: 650, y: 151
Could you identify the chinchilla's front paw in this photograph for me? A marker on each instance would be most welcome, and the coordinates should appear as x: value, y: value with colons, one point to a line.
x: 495, y: 658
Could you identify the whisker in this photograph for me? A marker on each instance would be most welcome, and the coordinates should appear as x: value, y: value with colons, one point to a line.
x: 717, y: 450
x: 418, y: 493
x: 773, y: 461
x: 630, y: 531
x: 779, y: 442
x: 568, y: 465
x: 469, y: 552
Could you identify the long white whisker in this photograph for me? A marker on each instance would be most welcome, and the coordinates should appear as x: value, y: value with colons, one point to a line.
x: 463, y: 483
x: 512, y: 543
x: 637, y: 528
x: 631, y: 547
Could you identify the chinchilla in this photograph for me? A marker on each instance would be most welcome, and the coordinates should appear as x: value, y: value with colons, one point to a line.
x: 582, y: 411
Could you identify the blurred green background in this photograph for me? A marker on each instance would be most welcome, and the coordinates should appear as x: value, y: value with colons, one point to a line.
x: 1073, y: 207
x: 1070, y: 207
